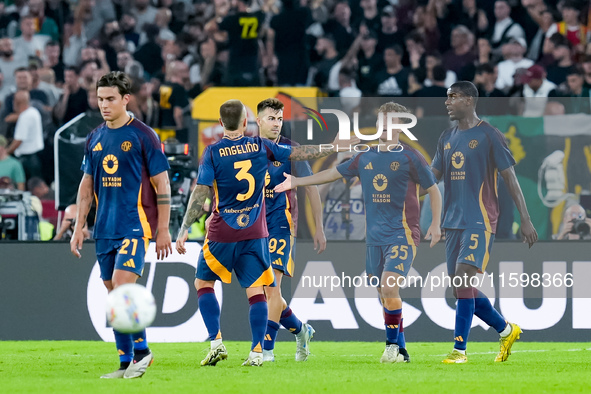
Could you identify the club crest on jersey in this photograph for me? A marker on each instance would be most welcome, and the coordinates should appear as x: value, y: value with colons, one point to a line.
x: 243, y: 220
x: 457, y: 160
x: 473, y: 144
x: 277, y: 163
x: 380, y: 182
x: 126, y: 146
x: 394, y: 165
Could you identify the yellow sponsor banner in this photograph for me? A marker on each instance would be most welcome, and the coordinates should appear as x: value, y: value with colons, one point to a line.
x: 206, y: 107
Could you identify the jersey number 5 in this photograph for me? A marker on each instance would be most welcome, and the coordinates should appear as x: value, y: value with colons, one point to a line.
x: 243, y: 174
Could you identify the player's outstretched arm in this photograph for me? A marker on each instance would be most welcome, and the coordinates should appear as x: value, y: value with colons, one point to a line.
x: 291, y: 182
x: 527, y: 228
x: 434, y: 232
x: 194, y: 211
x: 163, y: 241
x: 316, y: 205
x: 83, y: 202
x: 309, y: 152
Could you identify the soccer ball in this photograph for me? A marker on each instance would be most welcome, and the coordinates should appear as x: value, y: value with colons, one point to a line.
x: 130, y: 308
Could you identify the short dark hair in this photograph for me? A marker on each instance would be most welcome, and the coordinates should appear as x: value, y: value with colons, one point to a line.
x: 21, y: 69
x: 52, y: 43
x: 467, y: 88
x: 34, y: 182
x: 575, y: 70
x: 273, y: 103
x: 117, y: 79
x: 231, y: 113
x: 439, y: 73
x: 396, y: 48
x: 485, y: 68
x: 72, y: 68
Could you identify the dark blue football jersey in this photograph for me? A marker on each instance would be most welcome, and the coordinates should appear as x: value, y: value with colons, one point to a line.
x: 470, y: 161
x: 390, y: 183
x: 236, y: 169
x: 282, y: 208
x: 121, y: 162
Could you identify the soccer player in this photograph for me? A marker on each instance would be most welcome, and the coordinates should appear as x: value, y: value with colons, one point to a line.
x: 282, y: 218
x: 469, y: 157
x: 390, y: 175
x: 125, y: 171
x: 235, y: 168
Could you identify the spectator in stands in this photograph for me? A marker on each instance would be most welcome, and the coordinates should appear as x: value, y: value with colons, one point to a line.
x: 88, y: 73
x: 513, y: 52
x: 370, y: 16
x: 23, y: 83
x: 437, y: 88
x: 29, y: 43
x: 473, y: 18
x: 562, y: 54
x: 586, y: 65
x: 570, y: 27
x: 127, y: 24
x: 544, y: 17
x: 505, y: 27
x: 52, y: 59
x: 144, y: 13
x: 393, y: 80
x: 286, y: 41
x: 8, y: 62
x: 415, y: 48
x: 28, y: 135
x: 11, y: 167
x: 389, y: 34
x: 339, y: 26
x: 51, y: 92
x: 462, y: 50
x: 100, y: 12
x: 123, y: 59
x: 431, y: 60
x: 5, y: 90
x: 574, y: 214
x: 59, y: 11
x: 173, y: 101
x: 349, y: 93
x: 535, y: 91
x: 73, y: 101
x: 577, y: 96
x: 325, y: 72
x: 149, y: 54
x: 44, y: 25
x: 485, y: 79
x: 38, y: 188
x: 67, y: 225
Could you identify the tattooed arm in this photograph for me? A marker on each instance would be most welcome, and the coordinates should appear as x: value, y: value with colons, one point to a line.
x: 194, y: 211
x: 163, y: 241
x: 83, y: 202
x: 309, y: 152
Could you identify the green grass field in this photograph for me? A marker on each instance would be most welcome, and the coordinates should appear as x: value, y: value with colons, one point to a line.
x: 68, y: 366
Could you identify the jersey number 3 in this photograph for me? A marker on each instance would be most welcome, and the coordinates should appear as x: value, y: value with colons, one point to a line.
x: 243, y: 174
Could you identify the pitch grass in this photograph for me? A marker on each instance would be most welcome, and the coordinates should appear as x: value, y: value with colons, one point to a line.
x: 334, y: 367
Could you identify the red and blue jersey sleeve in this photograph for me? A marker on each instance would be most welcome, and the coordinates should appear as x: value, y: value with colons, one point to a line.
x: 420, y: 171
x: 350, y: 168
x: 206, y: 173
x: 501, y: 154
x: 276, y: 152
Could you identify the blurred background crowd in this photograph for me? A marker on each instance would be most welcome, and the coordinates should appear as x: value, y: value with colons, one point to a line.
x: 52, y: 52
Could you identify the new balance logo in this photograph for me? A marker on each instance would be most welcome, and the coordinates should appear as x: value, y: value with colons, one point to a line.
x: 98, y: 147
x: 278, y: 262
x: 129, y: 263
x: 447, y: 146
x: 393, y: 326
x: 400, y: 267
x: 459, y: 339
x: 471, y: 258
x: 368, y: 167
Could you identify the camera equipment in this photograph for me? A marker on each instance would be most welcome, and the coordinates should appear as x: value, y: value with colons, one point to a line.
x: 580, y: 227
x: 181, y: 176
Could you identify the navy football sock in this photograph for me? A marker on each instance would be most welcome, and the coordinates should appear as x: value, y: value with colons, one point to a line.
x: 290, y: 321
x: 272, y: 328
x: 124, y: 346
x: 210, y: 310
x: 392, y: 320
x: 258, y: 315
x: 464, y: 314
x: 487, y: 313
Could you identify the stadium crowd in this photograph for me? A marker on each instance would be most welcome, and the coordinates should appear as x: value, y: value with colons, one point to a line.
x: 52, y: 53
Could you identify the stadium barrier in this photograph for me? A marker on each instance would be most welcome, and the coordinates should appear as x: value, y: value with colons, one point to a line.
x: 47, y: 294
